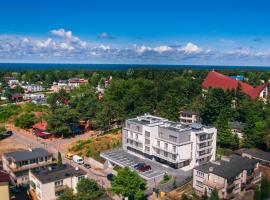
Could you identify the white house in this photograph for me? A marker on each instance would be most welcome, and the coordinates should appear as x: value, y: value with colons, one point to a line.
x: 175, y: 144
x: 49, y: 183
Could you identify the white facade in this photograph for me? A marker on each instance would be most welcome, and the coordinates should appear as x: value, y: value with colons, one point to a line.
x: 32, y: 88
x: 50, y: 190
x: 172, y: 143
x: 188, y: 117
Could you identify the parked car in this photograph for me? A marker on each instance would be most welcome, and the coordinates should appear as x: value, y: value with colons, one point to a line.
x: 8, y: 133
x: 144, y: 168
x: 78, y: 159
x: 110, y: 176
x: 87, y: 166
x: 139, y: 165
x: 69, y: 156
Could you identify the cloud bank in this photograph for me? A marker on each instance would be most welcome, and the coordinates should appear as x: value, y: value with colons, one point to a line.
x: 63, y: 46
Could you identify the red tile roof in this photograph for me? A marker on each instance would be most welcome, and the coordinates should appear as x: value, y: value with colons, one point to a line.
x: 40, y: 126
x: 217, y: 80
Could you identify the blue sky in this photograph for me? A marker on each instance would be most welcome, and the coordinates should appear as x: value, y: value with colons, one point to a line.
x: 210, y: 32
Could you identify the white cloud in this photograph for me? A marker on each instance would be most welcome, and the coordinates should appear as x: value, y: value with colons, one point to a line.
x: 191, y: 48
x: 67, y: 47
x: 105, y: 35
x: 62, y: 33
x: 163, y: 48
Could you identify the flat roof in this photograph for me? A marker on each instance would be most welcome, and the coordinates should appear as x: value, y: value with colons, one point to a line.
x: 54, y: 173
x: 228, y: 169
x: 18, y: 156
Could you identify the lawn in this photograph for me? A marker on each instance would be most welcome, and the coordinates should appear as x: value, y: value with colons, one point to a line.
x: 93, y: 146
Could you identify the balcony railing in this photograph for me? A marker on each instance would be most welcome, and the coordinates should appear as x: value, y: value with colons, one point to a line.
x: 166, y: 150
x: 60, y: 188
x: 30, y: 166
x: 165, y: 158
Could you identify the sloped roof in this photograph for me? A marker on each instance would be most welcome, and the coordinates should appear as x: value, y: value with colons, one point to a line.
x: 218, y: 80
x: 40, y: 126
x: 18, y: 156
x: 228, y: 169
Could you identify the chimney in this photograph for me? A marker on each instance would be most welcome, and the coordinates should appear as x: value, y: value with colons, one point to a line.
x: 211, y: 169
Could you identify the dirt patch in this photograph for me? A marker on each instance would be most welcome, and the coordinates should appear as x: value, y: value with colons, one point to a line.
x: 93, y: 146
x: 9, y: 144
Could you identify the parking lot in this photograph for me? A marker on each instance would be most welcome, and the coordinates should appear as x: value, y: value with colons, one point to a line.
x: 126, y: 159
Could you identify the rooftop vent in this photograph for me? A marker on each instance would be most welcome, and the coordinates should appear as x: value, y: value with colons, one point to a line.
x: 77, y: 168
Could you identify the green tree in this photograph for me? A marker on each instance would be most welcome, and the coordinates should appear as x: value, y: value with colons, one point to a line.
x: 257, y: 194
x: 59, y: 159
x: 25, y: 120
x: 225, y: 137
x: 204, y: 196
x: 214, y: 195
x: 128, y: 184
x: 67, y: 195
x: 88, y: 190
x: 61, y: 120
x: 185, y: 197
x: 265, y: 189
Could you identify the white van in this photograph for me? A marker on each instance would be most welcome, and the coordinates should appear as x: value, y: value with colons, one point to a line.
x: 78, y: 159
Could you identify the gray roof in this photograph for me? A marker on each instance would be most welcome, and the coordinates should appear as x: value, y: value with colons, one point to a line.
x: 18, y: 156
x: 228, y: 169
x: 237, y: 125
x: 257, y: 154
x: 57, y: 173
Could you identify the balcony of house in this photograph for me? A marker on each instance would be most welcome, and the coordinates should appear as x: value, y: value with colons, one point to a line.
x: 165, y: 156
x: 17, y: 168
x: 204, y: 147
x: 60, y: 188
x: 214, y: 184
x: 136, y: 139
x: 208, y: 138
x: 133, y: 130
x: 204, y: 154
x: 134, y: 144
x: 165, y: 149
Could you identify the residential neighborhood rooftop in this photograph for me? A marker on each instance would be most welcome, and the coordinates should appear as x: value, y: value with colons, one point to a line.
x: 228, y: 168
x: 256, y: 153
x: 55, y: 173
x: 18, y: 156
x: 218, y: 80
x: 237, y: 125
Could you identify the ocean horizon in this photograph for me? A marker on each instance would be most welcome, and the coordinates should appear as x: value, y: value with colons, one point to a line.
x: 74, y: 66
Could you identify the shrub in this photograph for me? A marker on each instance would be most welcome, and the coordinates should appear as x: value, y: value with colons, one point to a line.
x: 25, y: 120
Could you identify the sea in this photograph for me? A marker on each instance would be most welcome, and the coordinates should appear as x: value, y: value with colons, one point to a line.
x: 51, y: 66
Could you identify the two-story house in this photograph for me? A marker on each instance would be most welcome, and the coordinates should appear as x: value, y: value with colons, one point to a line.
x: 49, y: 183
x: 175, y: 144
x: 18, y: 163
x: 228, y: 176
x: 189, y: 117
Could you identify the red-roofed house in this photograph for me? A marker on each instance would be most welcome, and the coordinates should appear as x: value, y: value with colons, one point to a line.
x: 40, y: 126
x: 218, y: 80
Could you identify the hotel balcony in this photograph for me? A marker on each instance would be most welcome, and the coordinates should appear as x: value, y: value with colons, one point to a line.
x: 165, y: 158
x: 204, y: 140
x: 198, y: 156
x: 166, y: 150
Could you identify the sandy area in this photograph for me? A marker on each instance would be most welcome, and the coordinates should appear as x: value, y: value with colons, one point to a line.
x: 10, y: 144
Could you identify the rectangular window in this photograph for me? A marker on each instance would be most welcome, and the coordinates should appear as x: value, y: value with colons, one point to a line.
x: 147, y: 134
x: 147, y: 141
x: 147, y: 148
x: 160, y: 134
x: 200, y: 174
x: 166, y: 154
x: 172, y: 138
x: 158, y: 143
x: 166, y: 146
x: 174, y: 148
x: 58, y: 183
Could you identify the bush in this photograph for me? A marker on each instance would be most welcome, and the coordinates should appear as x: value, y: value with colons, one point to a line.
x: 25, y: 120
